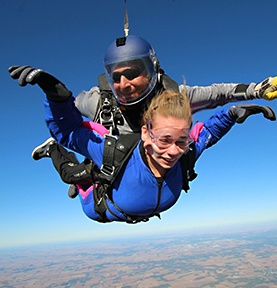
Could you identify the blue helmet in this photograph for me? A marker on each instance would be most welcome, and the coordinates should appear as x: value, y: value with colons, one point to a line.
x: 125, y: 51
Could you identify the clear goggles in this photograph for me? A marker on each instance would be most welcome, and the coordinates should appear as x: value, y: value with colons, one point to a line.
x: 165, y: 138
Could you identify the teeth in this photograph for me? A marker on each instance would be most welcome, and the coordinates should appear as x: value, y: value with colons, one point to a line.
x: 169, y: 160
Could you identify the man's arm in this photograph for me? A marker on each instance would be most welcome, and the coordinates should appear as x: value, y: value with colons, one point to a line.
x: 87, y: 102
x: 209, y: 97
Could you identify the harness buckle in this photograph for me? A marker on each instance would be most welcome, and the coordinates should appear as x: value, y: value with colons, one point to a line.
x: 106, y: 116
x: 108, y: 171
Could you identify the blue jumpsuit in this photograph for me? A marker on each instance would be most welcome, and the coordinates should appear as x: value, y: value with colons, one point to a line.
x: 138, y: 192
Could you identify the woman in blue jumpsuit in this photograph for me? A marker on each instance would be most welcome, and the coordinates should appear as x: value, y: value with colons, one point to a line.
x: 152, y: 180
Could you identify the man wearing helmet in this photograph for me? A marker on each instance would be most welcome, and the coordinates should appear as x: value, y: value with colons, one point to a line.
x: 131, y: 53
x: 132, y: 88
x: 134, y: 77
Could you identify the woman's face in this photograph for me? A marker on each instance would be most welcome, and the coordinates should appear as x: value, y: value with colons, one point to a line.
x: 126, y: 85
x: 165, y: 143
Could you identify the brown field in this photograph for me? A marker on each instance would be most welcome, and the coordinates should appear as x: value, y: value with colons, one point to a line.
x: 233, y: 260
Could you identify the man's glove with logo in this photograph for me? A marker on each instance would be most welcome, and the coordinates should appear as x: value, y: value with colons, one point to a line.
x: 54, y: 89
x: 240, y: 112
x: 267, y: 89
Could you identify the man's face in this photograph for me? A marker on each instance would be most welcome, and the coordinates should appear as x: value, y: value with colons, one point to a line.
x: 129, y: 82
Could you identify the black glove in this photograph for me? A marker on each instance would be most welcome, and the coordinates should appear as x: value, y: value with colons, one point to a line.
x: 240, y: 112
x: 54, y: 89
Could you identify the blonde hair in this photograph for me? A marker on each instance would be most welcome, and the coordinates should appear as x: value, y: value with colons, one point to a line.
x: 169, y: 104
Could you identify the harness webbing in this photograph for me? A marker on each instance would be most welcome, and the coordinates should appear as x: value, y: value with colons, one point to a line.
x: 108, y: 113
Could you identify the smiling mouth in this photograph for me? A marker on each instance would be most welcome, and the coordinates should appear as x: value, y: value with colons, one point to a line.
x: 169, y: 160
x: 128, y: 96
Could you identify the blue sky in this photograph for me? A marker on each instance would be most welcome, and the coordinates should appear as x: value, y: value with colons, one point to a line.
x: 202, y: 41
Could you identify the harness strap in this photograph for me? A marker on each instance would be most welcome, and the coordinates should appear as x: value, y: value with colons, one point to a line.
x: 101, y: 206
x: 109, y: 113
x: 103, y: 83
x: 131, y: 219
x: 187, y: 164
x: 169, y: 84
x: 107, y: 167
x: 117, y: 150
